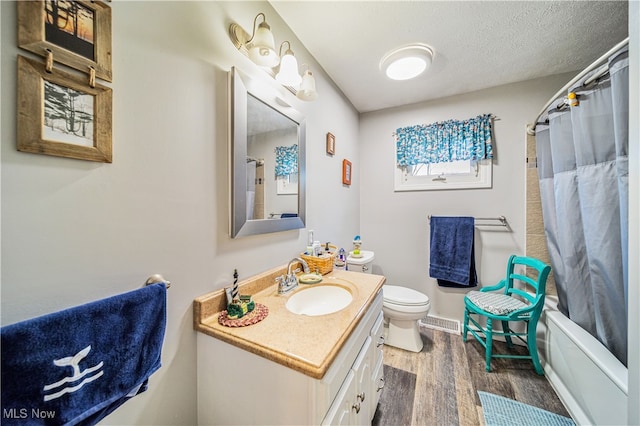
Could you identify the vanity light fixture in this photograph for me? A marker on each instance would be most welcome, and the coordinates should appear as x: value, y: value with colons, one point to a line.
x: 260, y: 48
x: 307, y: 91
x: 407, y: 62
x: 288, y: 73
x: 261, y: 45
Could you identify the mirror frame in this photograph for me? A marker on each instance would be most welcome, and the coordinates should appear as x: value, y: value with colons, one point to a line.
x: 240, y: 86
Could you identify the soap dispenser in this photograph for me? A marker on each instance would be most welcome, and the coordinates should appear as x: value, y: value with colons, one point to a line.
x: 340, y: 261
x: 357, y: 242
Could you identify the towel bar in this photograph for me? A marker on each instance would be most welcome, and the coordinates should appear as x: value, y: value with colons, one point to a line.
x: 502, y: 219
x: 157, y: 278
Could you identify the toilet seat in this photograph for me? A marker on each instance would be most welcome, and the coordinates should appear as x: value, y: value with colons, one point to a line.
x: 403, y: 296
x: 421, y: 310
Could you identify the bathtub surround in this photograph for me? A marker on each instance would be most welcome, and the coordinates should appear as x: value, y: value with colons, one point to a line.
x: 536, y: 245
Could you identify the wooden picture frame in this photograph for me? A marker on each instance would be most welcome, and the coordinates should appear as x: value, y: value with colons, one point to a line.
x: 347, y: 171
x: 82, y: 40
x: 60, y: 114
x: 331, y: 144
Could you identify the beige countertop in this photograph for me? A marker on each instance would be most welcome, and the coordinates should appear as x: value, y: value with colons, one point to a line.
x: 306, y: 344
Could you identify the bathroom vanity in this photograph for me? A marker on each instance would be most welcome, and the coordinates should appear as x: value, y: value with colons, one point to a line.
x: 291, y: 368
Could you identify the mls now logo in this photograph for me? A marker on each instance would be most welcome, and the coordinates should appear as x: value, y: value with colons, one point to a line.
x: 23, y: 413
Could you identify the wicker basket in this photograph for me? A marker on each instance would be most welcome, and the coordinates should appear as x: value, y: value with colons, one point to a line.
x: 323, y: 264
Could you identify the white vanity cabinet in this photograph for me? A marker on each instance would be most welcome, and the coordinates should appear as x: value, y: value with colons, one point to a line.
x: 341, y: 411
x: 360, y: 392
x: 377, y: 372
x: 236, y: 386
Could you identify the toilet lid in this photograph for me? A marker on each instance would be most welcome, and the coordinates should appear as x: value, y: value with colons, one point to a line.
x: 404, y: 296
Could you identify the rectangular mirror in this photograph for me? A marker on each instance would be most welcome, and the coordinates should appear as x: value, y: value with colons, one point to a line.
x: 267, y: 147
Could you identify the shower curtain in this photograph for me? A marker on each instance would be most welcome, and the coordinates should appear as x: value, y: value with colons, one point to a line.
x: 583, y: 171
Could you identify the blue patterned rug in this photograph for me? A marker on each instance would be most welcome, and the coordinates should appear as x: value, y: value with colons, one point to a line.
x: 501, y: 411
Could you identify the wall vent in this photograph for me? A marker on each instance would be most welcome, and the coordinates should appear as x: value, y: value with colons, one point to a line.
x: 443, y: 324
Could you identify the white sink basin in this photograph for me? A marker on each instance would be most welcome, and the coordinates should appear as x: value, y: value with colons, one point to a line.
x: 320, y: 300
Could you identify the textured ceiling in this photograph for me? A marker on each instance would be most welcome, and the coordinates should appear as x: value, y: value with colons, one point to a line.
x: 477, y: 44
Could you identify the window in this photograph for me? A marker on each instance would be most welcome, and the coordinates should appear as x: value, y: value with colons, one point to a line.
x: 465, y: 174
x: 450, y: 154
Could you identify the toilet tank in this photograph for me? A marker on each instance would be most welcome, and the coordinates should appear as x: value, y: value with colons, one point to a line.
x: 361, y: 264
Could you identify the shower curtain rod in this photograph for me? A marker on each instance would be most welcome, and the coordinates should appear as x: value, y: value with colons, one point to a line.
x: 531, y: 128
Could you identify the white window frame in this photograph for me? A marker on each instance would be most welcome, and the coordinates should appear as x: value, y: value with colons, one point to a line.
x: 480, y: 177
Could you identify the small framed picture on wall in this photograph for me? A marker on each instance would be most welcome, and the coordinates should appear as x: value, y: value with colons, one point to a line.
x: 75, y: 33
x: 60, y: 115
x: 331, y: 144
x: 347, y: 170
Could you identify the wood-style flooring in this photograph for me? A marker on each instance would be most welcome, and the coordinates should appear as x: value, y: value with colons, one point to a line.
x: 449, y: 373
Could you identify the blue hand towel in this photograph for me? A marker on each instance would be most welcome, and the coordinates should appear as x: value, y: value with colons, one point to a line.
x: 452, y: 260
x: 78, y: 365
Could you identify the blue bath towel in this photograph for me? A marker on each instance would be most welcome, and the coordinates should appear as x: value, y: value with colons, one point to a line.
x: 452, y: 260
x: 78, y: 365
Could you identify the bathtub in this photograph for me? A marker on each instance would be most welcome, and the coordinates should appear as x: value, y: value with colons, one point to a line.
x: 589, y: 380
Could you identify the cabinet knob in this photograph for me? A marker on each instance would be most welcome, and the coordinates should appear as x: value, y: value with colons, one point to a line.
x: 361, y: 396
x: 356, y: 407
x: 380, y: 341
x: 381, y: 386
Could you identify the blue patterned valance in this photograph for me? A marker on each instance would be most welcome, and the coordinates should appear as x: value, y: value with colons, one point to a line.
x: 445, y: 141
x: 286, y: 160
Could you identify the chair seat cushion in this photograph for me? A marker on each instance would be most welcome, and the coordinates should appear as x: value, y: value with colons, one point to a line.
x: 495, y: 303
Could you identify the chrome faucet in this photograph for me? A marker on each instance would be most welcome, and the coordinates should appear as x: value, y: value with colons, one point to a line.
x: 288, y: 282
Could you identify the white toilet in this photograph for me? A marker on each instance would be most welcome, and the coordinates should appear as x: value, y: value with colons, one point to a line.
x: 402, y: 307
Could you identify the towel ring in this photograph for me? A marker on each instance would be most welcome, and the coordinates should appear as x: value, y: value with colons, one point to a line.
x: 157, y: 278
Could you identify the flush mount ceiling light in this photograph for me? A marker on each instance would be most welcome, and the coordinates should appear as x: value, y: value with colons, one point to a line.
x: 260, y: 48
x: 407, y: 62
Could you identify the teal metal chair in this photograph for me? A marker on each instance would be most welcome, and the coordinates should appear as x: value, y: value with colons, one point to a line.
x: 522, y: 300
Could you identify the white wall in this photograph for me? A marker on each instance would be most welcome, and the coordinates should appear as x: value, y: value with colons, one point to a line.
x: 395, y: 224
x: 76, y: 231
